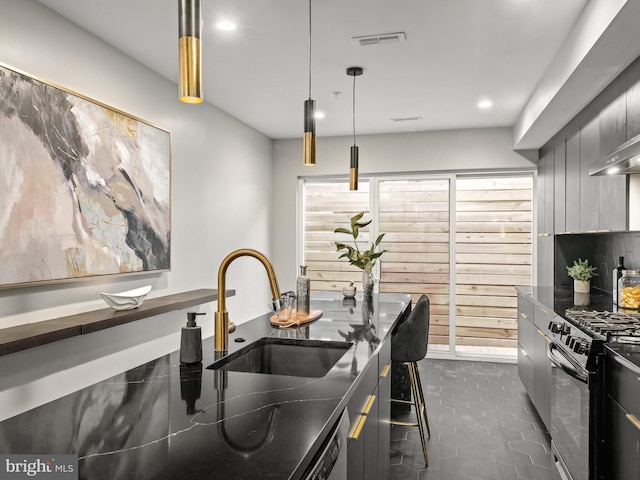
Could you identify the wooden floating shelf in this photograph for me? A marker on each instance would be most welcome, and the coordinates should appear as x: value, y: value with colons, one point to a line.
x: 24, y: 337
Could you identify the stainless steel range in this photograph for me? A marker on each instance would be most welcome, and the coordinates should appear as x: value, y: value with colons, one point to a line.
x: 576, y: 351
x: 623, y: 326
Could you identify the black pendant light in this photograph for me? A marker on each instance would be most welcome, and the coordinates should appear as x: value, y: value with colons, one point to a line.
x: 190, y: 51
x: 353, y: 170
x: 309, y: 115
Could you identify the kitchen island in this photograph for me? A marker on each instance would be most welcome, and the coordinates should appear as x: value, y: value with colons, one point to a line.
x: 167, y: 420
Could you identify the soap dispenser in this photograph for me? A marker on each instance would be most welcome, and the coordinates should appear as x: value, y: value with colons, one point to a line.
x: 191, y: 341
x: 303, y: 285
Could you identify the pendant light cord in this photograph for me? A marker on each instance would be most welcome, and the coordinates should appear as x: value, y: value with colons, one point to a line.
x: 354, y: 109
x: 309, y: 48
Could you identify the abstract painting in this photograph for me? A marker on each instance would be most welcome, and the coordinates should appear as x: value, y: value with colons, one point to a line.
x: 85, y: 189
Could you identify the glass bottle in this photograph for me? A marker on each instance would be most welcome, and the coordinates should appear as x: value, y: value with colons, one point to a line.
x: 303, y: 285
x: 617, y: 273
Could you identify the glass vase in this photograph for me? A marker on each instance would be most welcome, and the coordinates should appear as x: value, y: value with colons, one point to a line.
x: 367, y: 283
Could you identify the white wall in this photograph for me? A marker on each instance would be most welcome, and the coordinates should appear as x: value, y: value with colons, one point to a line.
x: 221, y: 193
x: 437, y: 151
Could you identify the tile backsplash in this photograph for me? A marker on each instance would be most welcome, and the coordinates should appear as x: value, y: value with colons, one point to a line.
x: 602, y: 250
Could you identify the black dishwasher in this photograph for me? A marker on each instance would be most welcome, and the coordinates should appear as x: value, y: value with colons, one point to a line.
x: 331, y: 461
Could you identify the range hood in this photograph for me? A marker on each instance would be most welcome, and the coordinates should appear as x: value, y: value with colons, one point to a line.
x: 625, y: 159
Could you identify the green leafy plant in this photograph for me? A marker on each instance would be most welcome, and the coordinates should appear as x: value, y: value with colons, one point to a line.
x: 362, y: 259
x: 581, y: 270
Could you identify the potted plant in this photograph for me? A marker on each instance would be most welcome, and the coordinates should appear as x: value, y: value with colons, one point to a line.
x: 582, y: 273
x: 363, y: 259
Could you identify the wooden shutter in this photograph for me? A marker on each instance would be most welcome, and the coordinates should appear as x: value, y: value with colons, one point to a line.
x: 493, y: 254
x: 327, y: 206
x: 414, y: 215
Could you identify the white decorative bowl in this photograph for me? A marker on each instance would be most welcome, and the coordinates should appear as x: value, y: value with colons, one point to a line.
x: 126, y: 300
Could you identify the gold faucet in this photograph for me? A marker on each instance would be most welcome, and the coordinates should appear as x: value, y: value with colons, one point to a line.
x: 222, y: 326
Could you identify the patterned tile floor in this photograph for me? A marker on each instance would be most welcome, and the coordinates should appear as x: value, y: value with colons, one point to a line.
x: 483, y: 427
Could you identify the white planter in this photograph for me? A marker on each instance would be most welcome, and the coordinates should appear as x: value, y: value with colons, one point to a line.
x: 581, y: 286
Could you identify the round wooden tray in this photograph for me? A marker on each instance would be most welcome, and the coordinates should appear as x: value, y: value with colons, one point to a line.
x: 296, y: 320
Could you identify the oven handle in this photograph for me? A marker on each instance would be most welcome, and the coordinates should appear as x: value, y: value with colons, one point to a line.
x: 564, y: 362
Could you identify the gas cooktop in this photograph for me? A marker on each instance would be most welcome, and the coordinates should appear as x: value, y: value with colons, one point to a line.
x: 622, y: 326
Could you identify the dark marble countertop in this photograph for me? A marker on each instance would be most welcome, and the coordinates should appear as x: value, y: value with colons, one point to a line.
x: 561, y: 298
x: 162, y: 420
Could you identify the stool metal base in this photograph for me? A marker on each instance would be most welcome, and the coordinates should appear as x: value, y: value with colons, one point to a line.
x: 417, y: 400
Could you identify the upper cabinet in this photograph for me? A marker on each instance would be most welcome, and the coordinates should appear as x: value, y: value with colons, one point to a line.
x: 633, y: 111
x: 589, y: 186
x: 613, y: 126
x: 560, y: 188
x: 569, y: 199
x: 545, y: 191
x: 573, y: 181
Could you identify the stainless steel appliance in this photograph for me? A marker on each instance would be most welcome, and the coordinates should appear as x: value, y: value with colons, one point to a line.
x: 331, y: 462
x: 576, y: 353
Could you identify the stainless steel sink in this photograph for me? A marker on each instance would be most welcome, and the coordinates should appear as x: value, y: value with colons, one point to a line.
x: 284, y: 356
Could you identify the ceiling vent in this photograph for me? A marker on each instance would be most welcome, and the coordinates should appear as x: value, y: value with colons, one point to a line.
x: 381, y: 39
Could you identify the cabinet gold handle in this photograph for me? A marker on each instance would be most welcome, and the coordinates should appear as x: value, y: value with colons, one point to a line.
x: 634, y: 420
x: 370, y: 402
x: 545, y: 337
x: 523, y: 315
x: 524, y: 352
x: 358, y: 427
x: 385, y: 370
x: 546, y: 312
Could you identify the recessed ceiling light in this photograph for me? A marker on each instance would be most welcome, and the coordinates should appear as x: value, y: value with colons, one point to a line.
x: 226, y: 25
x: 485, y: 104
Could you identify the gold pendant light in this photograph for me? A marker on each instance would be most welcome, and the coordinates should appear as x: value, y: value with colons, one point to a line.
x: 353, y: 170
x: 309, y: 115
x: 190, y: 50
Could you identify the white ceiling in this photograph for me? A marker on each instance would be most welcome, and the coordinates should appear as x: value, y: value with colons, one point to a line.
x: 456, y: 53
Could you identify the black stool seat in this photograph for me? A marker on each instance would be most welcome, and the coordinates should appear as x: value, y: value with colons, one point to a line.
x: 408, y: 346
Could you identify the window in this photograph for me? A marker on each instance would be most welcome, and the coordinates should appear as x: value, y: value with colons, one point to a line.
x: 465, y: 241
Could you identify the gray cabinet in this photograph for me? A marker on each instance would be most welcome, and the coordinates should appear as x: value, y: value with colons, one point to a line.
x: 572, y: 195
x: 542, y: 366
x: 633, y: 111
x: 544, y: 259
x: 611, y: 189
x: 613, y: 126
x: 362, y: 416
x: 526, y: 334
x: 560, y: 188
x: 534, y: 366
x: 525, y: 365
x: 370, y: 414
x: 622, y: 410
x: 589, y: 186
x: 546, y: 192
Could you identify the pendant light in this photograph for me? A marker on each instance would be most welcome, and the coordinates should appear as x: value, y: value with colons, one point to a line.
x: 190, y: 51
x: 353, y: 170
x: 309, y: 115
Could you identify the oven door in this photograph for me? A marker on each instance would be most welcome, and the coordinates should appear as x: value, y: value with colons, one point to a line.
x: 569, y: 414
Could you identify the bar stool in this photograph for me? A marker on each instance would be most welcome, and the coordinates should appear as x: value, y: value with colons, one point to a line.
x: 408, y: 346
